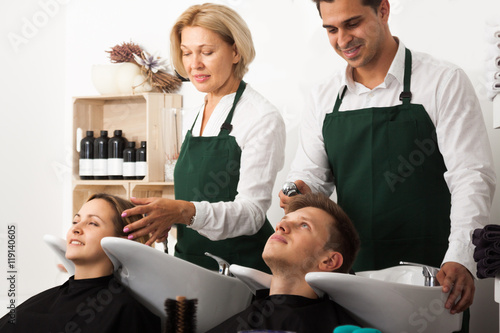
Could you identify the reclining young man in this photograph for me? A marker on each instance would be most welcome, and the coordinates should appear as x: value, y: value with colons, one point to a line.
x: 315, y: 236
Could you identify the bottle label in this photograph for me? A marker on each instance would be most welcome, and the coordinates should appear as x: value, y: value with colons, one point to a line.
x: 86, y: 166
x: 115, y: 166
x: 141, y: 168
x: 128, y: 169
x: 100, y: 167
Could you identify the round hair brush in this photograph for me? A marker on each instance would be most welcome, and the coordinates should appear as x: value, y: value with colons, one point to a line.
x: 181, y: 315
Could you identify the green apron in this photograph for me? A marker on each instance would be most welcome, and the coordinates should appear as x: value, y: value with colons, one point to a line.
x: 208, y: 169
x: 388, y: 173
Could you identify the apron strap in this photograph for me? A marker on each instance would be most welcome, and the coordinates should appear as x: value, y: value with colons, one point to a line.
x: 194, y: 122
x: 339, y: 100
x: 406, y: 94
x: 227, y: 123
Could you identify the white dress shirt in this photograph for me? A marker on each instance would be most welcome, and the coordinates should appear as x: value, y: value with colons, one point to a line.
x: 259, y: 130
x: 449, y: 98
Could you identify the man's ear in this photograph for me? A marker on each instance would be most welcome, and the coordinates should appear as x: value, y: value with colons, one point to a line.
x: 384, y: 10
x: 331, y: 262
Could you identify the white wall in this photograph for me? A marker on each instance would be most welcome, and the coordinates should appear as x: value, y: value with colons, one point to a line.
x: 32, y: 132
x: 52, y: 63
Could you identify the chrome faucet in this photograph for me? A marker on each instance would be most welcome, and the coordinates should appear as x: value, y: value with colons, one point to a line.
x: 223, y: 265
x: 429, y: 273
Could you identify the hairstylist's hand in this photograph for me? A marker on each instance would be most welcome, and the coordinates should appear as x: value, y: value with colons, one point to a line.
x: 284, y: 200
x: 159, y: 215
x: 455, y: 277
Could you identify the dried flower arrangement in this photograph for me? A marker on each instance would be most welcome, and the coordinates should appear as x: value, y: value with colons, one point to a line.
x: 152, y: 67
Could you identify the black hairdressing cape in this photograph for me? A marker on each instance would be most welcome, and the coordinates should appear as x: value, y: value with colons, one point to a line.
x: 288, y: 312
x: 87, y: 305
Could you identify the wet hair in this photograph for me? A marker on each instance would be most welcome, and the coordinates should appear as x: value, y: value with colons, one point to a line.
x: 370, y: 3
x: 343, y: 235
x: 222, y: 20
x: 119, y: 205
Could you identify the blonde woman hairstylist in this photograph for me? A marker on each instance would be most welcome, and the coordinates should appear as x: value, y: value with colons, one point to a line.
x: 232, y: 151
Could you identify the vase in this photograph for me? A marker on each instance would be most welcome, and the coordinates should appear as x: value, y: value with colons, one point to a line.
x: 115, y: 79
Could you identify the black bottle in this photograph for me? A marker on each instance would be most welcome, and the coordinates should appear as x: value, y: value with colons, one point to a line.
x: 129, y: 161
x: 141, y: 165
x: 87, y: 156
x: 101, y: 156
x: 115, y: 155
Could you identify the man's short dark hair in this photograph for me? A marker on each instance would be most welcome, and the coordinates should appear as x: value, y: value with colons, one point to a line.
x: 370, y: 3
x: 343, y: 235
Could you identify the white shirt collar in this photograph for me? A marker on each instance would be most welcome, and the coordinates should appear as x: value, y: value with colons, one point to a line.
x: 396, y: 71
x: 217, y: 118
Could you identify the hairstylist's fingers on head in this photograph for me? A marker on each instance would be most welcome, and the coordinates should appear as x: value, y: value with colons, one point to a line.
x: 159, y: 236
x: 164, y: 237
x: 285, y: 200
x: 141, y: 201
x: 140, y: 208
x: 139, y: 228
x: 303, y: 187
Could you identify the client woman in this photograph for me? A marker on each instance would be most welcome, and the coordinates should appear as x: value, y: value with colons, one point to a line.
x: 92, y: 300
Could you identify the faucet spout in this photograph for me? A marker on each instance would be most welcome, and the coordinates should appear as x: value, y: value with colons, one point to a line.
x: 223, y: 265
x: 428, y: 272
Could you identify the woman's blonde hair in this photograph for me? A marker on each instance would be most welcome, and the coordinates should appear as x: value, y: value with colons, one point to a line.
x: 119, y: 205
x: 223, y: 21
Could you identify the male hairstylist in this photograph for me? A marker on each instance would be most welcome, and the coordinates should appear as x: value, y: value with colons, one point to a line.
x: 401, y: 136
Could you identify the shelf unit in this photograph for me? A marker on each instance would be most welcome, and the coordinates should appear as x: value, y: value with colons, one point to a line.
x: 139, y: 117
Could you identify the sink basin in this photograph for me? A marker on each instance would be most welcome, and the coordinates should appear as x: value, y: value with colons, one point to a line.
x: 153, y: 276
x: 393, y: 300
x: 58, y: 245
x: 253, y: 278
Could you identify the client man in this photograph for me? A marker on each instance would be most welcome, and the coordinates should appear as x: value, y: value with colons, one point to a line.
x: 315, y: 236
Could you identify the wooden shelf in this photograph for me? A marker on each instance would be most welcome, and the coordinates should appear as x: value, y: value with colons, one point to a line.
x: 139, y: 117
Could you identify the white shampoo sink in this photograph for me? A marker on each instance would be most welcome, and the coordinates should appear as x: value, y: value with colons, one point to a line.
x: 153, y: 276
x: 393, y: 300
x: 58, y: 245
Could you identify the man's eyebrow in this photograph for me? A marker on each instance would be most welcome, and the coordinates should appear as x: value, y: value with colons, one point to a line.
x: 326, y: 26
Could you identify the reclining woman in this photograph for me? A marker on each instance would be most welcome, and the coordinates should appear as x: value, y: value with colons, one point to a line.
x: 92, y: 300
